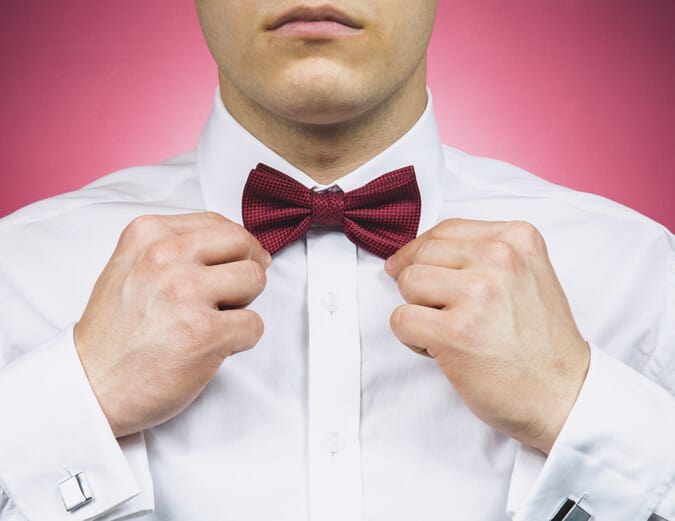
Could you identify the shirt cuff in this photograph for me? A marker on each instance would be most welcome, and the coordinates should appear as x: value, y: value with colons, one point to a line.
x: 616, y: 447
x: 52, y: 425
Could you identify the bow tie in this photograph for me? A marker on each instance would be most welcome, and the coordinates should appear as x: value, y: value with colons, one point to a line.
x: 380, y: 217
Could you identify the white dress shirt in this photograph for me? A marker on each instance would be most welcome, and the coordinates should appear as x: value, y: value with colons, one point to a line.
x: 329, y: 417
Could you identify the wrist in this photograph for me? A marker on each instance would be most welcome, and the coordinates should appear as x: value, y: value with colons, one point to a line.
x: 566, y: 391
x: 96, y: 384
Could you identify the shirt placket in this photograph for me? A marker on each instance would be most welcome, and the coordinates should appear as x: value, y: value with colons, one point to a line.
x: 334, y: 393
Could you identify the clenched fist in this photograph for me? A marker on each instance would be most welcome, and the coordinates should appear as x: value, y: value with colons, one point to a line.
x: 166, y: 311
x: 485, y: 303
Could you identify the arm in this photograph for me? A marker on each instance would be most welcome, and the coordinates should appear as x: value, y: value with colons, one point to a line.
x: 485, y: 303
x: 616, y: 446
x: 164, y: 314
x: 52, y: 421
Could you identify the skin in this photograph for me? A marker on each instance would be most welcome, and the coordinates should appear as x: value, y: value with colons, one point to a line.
x: 153, y: 333
x: 484, y: 301
x: 326, y: 106
x: 482, y: 298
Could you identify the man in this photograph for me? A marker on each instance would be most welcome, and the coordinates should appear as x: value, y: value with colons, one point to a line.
x: 124, y: 302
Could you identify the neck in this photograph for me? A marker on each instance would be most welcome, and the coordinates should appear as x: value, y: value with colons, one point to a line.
x: 328, y: 152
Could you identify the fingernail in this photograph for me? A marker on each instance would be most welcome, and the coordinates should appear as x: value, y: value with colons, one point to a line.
x: 268, y: 259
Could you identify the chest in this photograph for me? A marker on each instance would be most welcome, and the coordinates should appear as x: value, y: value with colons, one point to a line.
x: 329, y: 416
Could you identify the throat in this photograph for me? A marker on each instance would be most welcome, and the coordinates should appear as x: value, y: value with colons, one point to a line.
x: 327, y: 152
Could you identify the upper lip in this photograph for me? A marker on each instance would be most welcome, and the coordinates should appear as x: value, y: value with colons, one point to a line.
x: 313, y: 14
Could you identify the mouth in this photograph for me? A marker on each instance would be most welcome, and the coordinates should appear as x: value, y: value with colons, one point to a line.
x: 314, y: 22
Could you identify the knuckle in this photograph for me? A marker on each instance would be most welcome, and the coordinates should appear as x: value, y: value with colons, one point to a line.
x: 137, y: 229
x: 462, y: 327
x: 481, y: 288
x: 396, y: 319
x: 241, y: 241
x: 212, y: 217
x: 502, y: 254
x: 196, y: 324
x: 399, y: 320
x: 161, y: 253
x: 144, y: 221
x: 252, y: 329
x: 525, y: 228
x: 179, y: 290
x: 444, y: 228
x: 435, y: 232
x: 425, y: 252
x: 254, y: 325
x: 256, y: 275
x: 406, y: 280
x: 452, y: 222
x: 525, y: 234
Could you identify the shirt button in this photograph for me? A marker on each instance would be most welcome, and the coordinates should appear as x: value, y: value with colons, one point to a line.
x: 333, y: 442
x: 330, y: 302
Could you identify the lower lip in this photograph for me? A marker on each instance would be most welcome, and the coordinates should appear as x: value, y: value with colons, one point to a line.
x: 316, y: 30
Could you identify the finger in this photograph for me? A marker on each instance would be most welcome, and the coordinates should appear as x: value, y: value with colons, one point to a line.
x: 146, y: 229
x: 231, y: 241
x: 224, y: 242
x: 189, y: 222
x: 234, y: 284
x: 464, y: 254
x: 456, y: 229
x: 419, y: 327
x: 433, y: 286
x: 238, y: 330
x: 448, y: 253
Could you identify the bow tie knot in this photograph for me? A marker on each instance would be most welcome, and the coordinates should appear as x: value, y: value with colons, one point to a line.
x: 379, y: 217
x: 328, y: 207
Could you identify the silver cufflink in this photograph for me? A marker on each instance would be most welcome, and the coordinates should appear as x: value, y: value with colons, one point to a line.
x: 571, y: 511
x: 75, y: 491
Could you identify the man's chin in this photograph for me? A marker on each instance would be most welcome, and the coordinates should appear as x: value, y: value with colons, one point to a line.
x: 322, y: 115
x: 330, y: 106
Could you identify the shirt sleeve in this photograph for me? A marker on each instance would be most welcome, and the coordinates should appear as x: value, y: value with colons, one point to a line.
x: 616, y: 448
x: 52, y: 425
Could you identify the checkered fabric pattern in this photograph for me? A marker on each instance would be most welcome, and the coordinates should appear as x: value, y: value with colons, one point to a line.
x: 380, y: 217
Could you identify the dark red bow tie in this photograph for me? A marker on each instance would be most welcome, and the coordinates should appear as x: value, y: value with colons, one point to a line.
x: 380, y: 217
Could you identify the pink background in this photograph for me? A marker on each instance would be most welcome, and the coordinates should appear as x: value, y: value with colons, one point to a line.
x: 578, y: 92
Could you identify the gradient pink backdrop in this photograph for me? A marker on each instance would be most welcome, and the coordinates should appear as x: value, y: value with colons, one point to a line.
x: 578, y: 92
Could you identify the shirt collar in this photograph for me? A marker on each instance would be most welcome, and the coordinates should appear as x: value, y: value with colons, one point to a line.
x: 227, y: 152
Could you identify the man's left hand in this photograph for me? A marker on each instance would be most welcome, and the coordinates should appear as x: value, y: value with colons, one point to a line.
x: 484, y: 301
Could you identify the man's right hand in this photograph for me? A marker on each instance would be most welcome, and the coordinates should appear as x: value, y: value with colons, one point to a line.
x: 166, y: 311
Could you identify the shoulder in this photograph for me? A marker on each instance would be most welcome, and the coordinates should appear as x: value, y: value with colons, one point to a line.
x: 133, y: 186
x: 616, y: 265
x: 522, y: 194
x: 54, y: 249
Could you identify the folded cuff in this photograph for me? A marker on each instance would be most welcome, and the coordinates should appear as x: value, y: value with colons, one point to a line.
x: 616, y: 447
x: 52, y: 425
